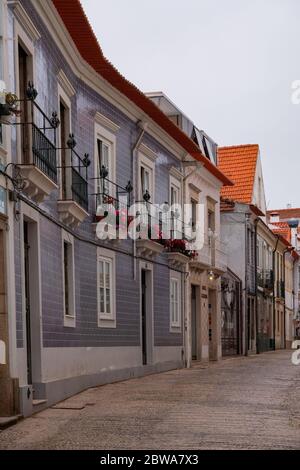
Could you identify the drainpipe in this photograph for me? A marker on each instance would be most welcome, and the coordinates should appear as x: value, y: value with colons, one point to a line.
x: 287, y: 250
x: 274, y: 319
x: 246, y: 324
x: 143, y: 126
x: 255, y: 280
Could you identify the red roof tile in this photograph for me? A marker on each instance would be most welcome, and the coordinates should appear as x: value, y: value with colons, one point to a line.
x: 81, y: 32
x: 281, y: 224
x: 239, y: 164
x: 282, y: 229
x: 293, y: 212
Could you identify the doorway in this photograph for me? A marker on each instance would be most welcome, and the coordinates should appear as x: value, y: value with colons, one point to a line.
x: 194, y: 323
x: 32, y: 300
x: 146, y: 315
x: 212, y: 325
x: 27, y: 303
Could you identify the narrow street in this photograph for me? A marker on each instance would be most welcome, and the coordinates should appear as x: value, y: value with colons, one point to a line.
x: 238, y: 403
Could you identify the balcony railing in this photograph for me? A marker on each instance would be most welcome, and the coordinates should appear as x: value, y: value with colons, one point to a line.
x: 38, y: 135
x: 281, y: 289
x: 75, y: 170
x: 265, y: 279
x: 79, y: 189
x: 111, y: 198
x: 44, y: 153
x: 269, y: 279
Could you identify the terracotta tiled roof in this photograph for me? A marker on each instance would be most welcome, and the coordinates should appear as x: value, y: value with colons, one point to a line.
x: 80, y: 30
x: 286, y: 213
x: 281, y: 224
x: 282, y: 229
x: 239, y: 164
x: 226, y: 205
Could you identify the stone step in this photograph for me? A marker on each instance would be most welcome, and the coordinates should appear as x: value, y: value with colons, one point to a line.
x: 37, y: 402
x: 7, y: 421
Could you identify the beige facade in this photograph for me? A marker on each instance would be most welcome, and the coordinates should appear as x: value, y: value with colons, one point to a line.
x: 289, y: 299
x: 279, y: 295
x: 203, y: 311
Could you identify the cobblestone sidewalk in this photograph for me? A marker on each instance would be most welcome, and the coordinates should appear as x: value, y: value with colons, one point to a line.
x: 238, y: 403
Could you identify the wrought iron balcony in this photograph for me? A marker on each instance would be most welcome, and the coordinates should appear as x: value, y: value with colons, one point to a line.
x: 38, y: 146
x: 44, y: 153
x: 269, y: 279
x: 112, y: 203
x: 163, y: 230
x: 265, y: 279
x: 281, y: 289
x: 74, y: 204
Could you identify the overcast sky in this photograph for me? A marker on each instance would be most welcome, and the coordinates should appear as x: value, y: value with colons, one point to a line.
x: 228, y: 64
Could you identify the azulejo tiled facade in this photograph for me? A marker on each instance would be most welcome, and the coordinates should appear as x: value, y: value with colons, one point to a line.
x: 78, y: 311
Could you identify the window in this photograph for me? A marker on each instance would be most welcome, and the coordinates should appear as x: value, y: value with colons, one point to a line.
x: 104, y: 160
x: 146, y: 180
x: 105, y: 155
x: 64, y: 130
x: 68, y: 279
x: 194, y: 214
x: 175, y: 299
x: 146, y: 173
x: 211, y: 219
x: 105, y: 288
x: 176, y: 216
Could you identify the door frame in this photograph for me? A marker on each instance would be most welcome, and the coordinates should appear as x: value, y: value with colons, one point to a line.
x: 31, y: 216
x: 198, y: 322
x: 148, y: 267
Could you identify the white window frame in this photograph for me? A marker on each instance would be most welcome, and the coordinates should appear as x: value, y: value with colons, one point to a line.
x: 146, y: 160
x: 175, y: 324
x: 109, y: 138
x: 21, y: 37
x: 70, y: 319
x: 107, y: 320
x: 175, y: 184
x: 64, y: 97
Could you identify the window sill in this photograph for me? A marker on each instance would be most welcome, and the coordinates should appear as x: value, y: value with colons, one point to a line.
x: 175, y: 329
x: 70, y: 321
x: 107, y: 322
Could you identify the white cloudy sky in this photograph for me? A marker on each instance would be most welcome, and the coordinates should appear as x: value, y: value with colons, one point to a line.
x: 228, y: 64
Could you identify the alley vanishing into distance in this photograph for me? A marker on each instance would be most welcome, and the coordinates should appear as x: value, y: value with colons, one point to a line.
x: 237, y: 403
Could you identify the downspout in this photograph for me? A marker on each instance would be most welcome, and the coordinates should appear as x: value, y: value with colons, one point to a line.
x: 246, y: 286
x: 143, y: 126
x: 284, y: 306
x: 187, y: 354
x: 255, y: 281
x: 274, y: 319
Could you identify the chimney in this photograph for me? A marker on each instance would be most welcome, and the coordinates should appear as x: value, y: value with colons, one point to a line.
x: 274, y: 217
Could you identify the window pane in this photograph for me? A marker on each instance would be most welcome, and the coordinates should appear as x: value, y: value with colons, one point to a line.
x: 102, y: 309
x: 145, y: 180
x: 107, y: 275
x: 108, y: 309
x: 101, y: 277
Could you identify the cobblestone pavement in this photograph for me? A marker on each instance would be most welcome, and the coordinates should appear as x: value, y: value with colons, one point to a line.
x: 238, y: 403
